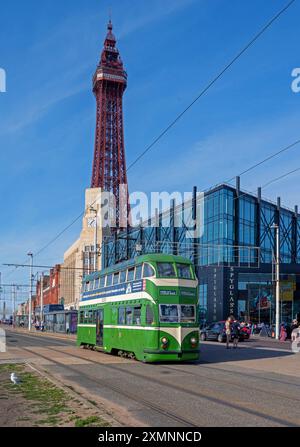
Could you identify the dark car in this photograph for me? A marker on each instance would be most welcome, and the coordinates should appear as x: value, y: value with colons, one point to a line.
x: 216, y: 331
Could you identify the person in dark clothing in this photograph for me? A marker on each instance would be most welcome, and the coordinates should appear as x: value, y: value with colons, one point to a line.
x: 235, y: 331
x: 228, y: 331
x: 294, y: 325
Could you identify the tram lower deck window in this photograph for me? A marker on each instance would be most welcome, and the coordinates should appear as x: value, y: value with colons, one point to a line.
x: 137, y: 315
x: 187, y: 313
x: 149, y: 315
x: 121, y: 316
x: 175, y: 313
x: 168, y: 313
x: 129, y: 315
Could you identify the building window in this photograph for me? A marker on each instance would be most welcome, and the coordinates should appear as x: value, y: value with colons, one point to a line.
x: 203, y: 303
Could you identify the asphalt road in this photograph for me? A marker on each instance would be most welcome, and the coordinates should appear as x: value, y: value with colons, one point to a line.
x: 255, y: 385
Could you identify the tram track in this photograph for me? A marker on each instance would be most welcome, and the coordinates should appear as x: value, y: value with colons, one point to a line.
x: 172, y: 368
x: 150, y: 405
x: 235, y: 384
x: 172, y: 386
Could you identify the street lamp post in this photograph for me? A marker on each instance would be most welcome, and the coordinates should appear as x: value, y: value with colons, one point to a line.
x: 95, y: 237
x: 277, y: 281
x: 30, y: 293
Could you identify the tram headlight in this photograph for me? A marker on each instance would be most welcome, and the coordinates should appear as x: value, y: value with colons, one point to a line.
x: 193, y: 341
x: 164, y: 342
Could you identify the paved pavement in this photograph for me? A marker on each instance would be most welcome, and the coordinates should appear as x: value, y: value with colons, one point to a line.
x: 256, y: 385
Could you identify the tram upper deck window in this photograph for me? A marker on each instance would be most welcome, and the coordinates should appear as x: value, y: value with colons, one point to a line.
x: 97, y: 283
x: 168, y: 313
x: 102, y: 281
x: 109, y: 280
x: 187, y: 313
x: 184, y: 271
x: 166, y: 270
x: 148, y: 271
x: 116, y: 278
x: 123, y: 276
x: 130, y: 274
x: 138, y: 271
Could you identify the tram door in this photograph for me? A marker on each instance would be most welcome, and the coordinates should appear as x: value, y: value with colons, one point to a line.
x: 99, y: 327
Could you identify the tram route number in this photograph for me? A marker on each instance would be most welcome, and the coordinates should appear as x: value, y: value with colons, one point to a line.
x: 151, y: 436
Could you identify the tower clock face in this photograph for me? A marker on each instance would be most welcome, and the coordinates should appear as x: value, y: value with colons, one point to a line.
x: 91, y: 222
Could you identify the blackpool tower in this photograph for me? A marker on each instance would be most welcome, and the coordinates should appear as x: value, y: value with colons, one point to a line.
x: 109, y: 167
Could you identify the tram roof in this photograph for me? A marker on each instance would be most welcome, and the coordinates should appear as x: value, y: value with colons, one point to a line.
x: 154, y: 257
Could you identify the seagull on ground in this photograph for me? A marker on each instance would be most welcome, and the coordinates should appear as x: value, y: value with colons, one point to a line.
x: 15, y: 379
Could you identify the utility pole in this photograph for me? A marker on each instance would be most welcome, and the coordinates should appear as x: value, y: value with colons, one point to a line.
x: 14, y: 304
x: 30, y: 293
x: 3, y: 312
x: 42, y: 297
x: 277, y: 281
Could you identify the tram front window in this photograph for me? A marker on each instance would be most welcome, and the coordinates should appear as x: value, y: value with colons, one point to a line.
x: 184, y: 271
x: 168, y: 313
x: 166, y: 270
x: 187, y: 313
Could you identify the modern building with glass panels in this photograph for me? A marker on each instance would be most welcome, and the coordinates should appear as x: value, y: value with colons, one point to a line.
x: 233, y: 251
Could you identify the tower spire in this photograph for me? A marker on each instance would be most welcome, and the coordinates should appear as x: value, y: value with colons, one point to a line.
x: 109, y: 84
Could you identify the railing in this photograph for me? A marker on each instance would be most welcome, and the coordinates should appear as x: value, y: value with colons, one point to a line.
x: 200, y: 254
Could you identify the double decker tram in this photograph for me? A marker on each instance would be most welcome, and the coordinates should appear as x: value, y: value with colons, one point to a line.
x: 145, y: 308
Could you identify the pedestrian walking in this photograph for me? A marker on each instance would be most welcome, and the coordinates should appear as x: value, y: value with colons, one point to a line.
x: 294, y: 325
x: 228, y: 331
x: 235, y: 331
x: 283, y: 333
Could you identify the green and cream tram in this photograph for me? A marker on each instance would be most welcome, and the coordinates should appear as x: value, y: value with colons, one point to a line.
x: 145, y: 308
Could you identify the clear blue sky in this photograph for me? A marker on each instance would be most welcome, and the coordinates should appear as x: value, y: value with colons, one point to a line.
x: 170, y: 49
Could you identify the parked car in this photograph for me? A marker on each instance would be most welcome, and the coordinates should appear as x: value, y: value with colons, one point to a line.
x: 6, y: 321
x: 216, y: 331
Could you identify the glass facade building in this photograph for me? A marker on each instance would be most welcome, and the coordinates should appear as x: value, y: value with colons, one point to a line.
x: 232, y: 249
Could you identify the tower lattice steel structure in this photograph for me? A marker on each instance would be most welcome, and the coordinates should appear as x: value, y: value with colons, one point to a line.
x: 109, y: 166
